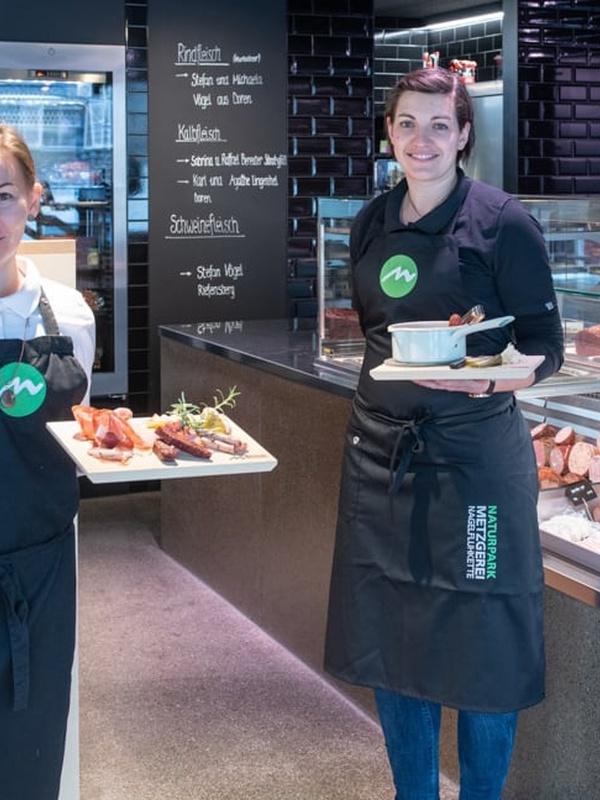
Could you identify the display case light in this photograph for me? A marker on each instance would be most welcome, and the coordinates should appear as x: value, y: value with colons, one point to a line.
x: 386, y: 35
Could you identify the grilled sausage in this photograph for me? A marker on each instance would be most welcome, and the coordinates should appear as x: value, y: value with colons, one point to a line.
x: 177, y: 437
x: 166, y: 452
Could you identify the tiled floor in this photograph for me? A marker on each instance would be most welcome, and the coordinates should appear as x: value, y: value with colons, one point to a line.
x: 182, y: 698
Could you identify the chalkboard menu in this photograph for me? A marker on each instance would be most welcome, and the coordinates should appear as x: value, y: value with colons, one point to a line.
x: 217, y: 160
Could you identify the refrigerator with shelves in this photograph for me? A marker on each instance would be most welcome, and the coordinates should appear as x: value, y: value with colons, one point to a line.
x: 68, y: 102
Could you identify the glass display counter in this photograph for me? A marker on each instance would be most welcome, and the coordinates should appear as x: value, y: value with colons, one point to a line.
x: 341, y: 342
x: 571, y: 226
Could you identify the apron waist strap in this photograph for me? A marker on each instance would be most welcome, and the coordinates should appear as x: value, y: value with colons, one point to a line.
x: 18, y: 634
x: 17, y: 616
x: 408, y: 442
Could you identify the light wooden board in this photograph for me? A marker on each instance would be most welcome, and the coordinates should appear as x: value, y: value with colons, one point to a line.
x: 145, y: 466
x: 392, y: 370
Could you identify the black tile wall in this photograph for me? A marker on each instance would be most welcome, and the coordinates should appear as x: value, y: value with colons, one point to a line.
x: 330, y: 126
x: 137, y: 204
x: 559, y: 97
x: 399, y: 50
x: 330, y: 46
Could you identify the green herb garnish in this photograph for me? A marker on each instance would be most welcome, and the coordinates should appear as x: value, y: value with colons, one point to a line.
x: 191, y: 415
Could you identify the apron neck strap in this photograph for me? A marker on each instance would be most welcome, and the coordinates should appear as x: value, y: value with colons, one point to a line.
x: 48, y: 318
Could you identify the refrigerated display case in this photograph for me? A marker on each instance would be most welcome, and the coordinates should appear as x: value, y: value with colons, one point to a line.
x: 68, y: 102
x: 341, y: 342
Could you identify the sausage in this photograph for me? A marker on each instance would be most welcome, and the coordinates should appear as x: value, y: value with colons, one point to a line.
x: 570, y: 477
x: 594, y: 469
x: 166, y: 452
x: 565, y: 436
x: 543, y: 431
x: 580, y: 456
x: 111, y: 454
x: 548, y: 479
x: 173, y: 435
x: 542, y: 449
x: 559, y: 458
x: 226, y: 444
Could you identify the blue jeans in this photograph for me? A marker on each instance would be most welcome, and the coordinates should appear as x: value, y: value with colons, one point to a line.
x: 411, y: 729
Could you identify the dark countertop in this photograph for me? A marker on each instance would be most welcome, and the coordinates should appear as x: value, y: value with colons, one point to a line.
x: 268, y: 345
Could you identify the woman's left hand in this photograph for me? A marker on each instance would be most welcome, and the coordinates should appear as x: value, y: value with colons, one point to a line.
x: 479, y: 385
x: 476, y: 386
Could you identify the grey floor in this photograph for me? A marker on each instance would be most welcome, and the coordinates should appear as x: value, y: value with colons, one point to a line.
x: 182, y: 698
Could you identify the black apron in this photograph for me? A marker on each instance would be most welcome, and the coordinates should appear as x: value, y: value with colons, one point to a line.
x: 38, y: 503
x: 437, y: 580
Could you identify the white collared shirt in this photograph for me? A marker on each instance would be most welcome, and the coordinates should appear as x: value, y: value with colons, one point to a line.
x: 20, y: 316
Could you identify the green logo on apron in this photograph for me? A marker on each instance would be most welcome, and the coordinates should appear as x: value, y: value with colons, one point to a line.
x: 22, y: 389
x: 398, y: 276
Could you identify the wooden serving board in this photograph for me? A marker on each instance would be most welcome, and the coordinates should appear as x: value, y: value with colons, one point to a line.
x: 145, y: 465
x: 392, y: 370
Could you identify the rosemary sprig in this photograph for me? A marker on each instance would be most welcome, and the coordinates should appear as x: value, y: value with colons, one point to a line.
x: 191, y: 414
x: 220, y: 401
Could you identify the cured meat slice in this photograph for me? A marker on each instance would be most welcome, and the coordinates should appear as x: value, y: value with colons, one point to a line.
x: 548, y: 478
x: 108, y: 428
x: 580, y: 456
x: 85, y: 417
x: 570, y: 477
x: 565, y: 436
x: 543, y: 431
x: 594, y: 469
x: 559, y: 457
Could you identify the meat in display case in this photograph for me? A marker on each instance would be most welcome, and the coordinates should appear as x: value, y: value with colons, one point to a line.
x: 341, y: 342
x: 68, y: 102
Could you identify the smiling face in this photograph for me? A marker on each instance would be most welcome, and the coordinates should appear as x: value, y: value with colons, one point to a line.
x: 425, y: 135
x: 18, y: 199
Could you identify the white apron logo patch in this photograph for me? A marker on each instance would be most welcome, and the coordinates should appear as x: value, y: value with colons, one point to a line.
x: 482, y: 543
